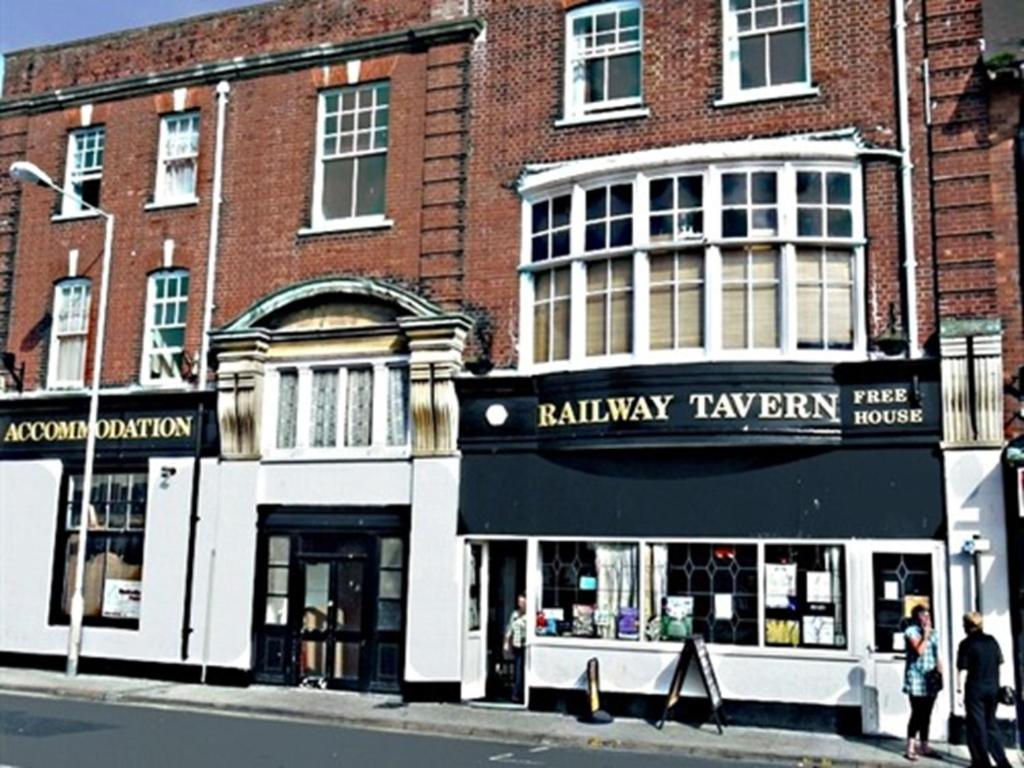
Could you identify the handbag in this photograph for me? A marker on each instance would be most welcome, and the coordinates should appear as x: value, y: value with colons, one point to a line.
x: 933, y: 681
x: 1007, y: 695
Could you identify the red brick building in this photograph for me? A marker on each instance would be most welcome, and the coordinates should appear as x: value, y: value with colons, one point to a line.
x: 724, y: 274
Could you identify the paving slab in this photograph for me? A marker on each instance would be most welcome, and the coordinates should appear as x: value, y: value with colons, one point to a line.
x: 479, y: 722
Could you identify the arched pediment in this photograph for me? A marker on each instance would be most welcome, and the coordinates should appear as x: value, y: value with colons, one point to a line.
x: 329, y: 303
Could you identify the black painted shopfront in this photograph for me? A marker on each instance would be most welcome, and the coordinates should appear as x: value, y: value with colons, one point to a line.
x: 726, y: 500
x: 330, y: 588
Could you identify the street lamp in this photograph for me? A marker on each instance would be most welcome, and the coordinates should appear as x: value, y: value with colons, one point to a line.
x: 22, y: 170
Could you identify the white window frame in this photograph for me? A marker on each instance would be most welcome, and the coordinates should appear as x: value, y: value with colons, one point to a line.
x: 321, y: 223
x: 712, y: 243
x: 732, y: 92
x: 165, y: 158
x: 575, y: 106
x: 303, y: 449
x: 57, y: 335
x: 149, y: 350
x: 73, y: 173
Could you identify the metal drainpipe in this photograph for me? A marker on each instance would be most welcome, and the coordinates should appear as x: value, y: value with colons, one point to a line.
x: 906, y: 175
x: 223, y: 88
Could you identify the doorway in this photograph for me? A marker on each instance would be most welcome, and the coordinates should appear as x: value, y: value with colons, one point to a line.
x: 330, y: 610
x: 901, y: 578
x: 494, y: 575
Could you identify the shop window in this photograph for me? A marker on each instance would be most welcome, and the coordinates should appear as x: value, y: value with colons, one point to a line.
x: 804, y: 596
x: 766, y: 47
x: 166, y: 317
x: 70, y: 332
x: 703, y: 589
x: 352, y: 152
x: 603, y: 58
x: 112, y: 587
x: 84, y: 171
x: 589, y: 590
x: 178, y: 159
x: 351, y: 408
x: 767, y: 265
x: 902, y: 582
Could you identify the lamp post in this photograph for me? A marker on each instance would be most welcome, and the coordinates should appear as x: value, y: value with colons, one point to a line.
x: 25, y: 171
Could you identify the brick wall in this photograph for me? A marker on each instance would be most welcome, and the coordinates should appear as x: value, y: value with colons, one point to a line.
x: 268, y: 173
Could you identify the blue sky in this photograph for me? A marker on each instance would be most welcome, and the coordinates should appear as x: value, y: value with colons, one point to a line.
x: 28, y: 23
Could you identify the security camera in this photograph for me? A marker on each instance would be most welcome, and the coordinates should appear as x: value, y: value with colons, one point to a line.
x: 975, y: 545
x: 167, y: 472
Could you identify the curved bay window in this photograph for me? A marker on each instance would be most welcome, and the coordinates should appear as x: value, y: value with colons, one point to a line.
x: 724, y: 261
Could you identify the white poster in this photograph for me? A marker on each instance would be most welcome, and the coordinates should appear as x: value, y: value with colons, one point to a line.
x: 122, y: 598
x: 819, y: 587
x: 819, y: 630
x: 678, y: 607
x: 723, y: 605
x: 892, y: 590
x: 780, y: 585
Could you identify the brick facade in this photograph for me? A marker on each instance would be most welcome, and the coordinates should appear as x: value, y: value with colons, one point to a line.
x: 467, y: 117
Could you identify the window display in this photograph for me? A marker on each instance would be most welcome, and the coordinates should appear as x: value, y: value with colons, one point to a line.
x: 804, y: 603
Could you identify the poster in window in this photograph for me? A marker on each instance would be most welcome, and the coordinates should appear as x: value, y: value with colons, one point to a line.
x: 122, y: 598
x: 782, y: 632
x: 780, y: 586
x: 910, y: 602
x: 723, y: 606
x: 677, y: 617
x: 819, y: 587
x: 583, y: 624
x: 819, y: 630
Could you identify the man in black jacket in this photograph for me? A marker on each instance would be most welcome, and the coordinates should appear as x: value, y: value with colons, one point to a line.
x: 979, y: 657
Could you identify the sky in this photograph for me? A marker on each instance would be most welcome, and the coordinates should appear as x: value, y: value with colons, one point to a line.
x: 28, y: 23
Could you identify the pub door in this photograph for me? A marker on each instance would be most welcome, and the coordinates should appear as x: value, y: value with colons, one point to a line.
x: 902, y: 575
x: 331, y: 612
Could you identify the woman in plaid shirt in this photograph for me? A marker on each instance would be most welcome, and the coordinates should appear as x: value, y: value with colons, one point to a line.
x: 922, y: 680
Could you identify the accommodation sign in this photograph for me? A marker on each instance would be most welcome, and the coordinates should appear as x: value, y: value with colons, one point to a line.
x: 66, y: 430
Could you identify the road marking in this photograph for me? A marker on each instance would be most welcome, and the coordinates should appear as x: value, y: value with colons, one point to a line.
x: 535, y: 750
x: 508, y: 758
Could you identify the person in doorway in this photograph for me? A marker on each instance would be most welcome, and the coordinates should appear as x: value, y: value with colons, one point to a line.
x: 515, y: 646
x: 922, y: 679
x: 979, y: 658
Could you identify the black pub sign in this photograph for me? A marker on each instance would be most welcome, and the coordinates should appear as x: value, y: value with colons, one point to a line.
x: 169, y: 424
x: 714, y: 403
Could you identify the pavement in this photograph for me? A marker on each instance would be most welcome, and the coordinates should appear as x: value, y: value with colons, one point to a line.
x: 390, y: 713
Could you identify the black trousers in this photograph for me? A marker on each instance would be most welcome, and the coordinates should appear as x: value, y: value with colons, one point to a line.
x: 983, y: 738
x: 920, y: 717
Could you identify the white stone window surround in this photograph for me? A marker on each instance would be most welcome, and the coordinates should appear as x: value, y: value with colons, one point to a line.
x: 575, y: 107
x: 303, y: 450
x: 732, y: 90
x: 379, y: 147
x: 70, y: 326
x: 577, y: 176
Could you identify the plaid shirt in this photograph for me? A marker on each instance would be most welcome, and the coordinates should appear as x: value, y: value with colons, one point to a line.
x: 919, y: 664
x: 516, y: 632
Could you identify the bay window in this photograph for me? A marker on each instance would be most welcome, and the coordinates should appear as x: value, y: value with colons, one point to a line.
x: 721, y: 261
x: 327, y: 409
x: 604, y: 44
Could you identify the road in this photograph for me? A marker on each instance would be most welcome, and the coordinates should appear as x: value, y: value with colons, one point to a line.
x: 54, y: 733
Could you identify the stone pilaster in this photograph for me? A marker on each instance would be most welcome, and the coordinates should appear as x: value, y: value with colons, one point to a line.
x: 972, y: 383
x: 435, y: 358
x: 240, y: 394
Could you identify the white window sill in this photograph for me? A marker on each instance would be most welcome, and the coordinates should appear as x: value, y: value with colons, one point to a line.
x: 162, y: 205
x: 165, y: 385
x: 697, y: 357
x: 75, y: 216
x: 767, y: 94
x: 602, y: 117
x: 312, y: 456
x: 843, y: 655
x: 347, y: 225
